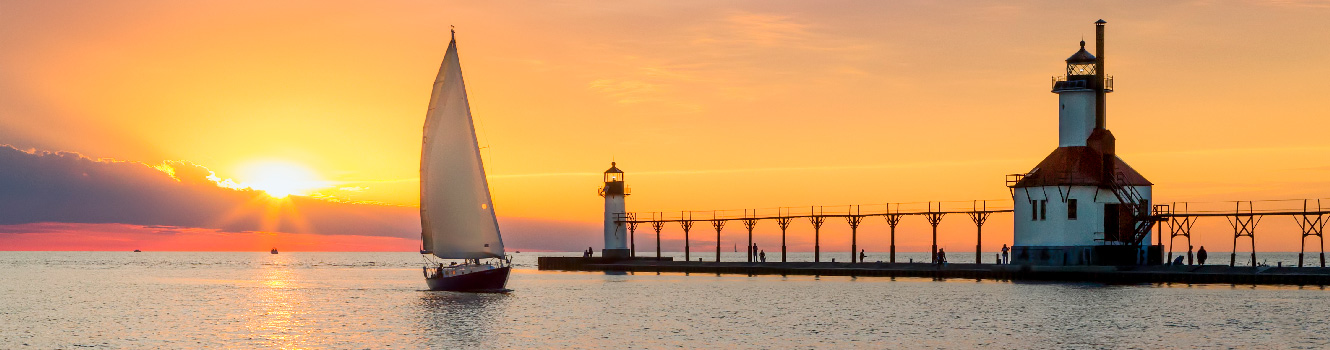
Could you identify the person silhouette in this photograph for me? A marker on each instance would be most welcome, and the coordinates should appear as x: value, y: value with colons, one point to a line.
x: 1200, y: 256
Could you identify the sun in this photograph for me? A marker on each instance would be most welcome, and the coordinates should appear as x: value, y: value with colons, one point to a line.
x: 280, y: 179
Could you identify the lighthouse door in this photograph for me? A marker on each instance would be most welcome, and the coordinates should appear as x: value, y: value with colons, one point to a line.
x: 1111, y: 227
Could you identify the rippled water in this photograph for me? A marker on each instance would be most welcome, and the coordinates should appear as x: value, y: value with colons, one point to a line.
x: 375, y: 300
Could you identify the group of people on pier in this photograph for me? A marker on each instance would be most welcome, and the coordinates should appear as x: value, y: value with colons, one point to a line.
x: 757, y: 254
x: 1200, y: 256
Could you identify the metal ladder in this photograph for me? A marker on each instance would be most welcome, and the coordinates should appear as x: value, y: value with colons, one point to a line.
x: 1128, y: 197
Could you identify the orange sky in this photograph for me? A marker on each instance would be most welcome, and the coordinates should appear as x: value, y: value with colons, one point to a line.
x: 706, y: 105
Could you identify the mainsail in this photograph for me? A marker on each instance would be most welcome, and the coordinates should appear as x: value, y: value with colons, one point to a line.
x: 456, y: 213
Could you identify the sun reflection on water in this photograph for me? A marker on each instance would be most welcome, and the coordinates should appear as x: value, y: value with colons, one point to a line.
x: 274, y: 314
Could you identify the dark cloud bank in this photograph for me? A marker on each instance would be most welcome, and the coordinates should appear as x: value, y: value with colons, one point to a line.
x: 70, y: 188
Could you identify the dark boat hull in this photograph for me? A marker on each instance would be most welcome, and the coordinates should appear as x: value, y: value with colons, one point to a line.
x: 479, y: 281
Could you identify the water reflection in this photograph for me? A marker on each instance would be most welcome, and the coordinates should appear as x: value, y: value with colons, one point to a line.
x: 462, y: 320
x: 371, y: 301
x: 274, y: 312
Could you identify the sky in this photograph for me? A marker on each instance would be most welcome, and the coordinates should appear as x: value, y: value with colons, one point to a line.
x: 158, y: 124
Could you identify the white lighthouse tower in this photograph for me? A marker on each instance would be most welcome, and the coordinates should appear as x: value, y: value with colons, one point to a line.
x: 616, y: 234
x: 1082, y: 205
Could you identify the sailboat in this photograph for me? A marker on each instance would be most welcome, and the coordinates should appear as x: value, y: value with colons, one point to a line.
x: 457, y: 217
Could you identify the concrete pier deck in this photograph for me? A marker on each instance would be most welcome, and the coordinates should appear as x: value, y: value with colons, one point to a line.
x: 1220, y: 274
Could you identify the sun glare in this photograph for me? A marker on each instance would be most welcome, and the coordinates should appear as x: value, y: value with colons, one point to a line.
x: 280, y: 179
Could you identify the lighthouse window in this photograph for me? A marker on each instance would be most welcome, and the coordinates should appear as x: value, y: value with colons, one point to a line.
x: 1080, y: 69
x: 1043, y: 209
x: 1034, y: 210
x: 1071, y: 209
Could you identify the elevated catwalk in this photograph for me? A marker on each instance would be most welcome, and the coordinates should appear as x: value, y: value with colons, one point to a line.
x: 1099, y: 274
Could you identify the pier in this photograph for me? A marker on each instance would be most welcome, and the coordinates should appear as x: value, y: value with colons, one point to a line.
x: 1098, y: 274
x: 1178, y: 219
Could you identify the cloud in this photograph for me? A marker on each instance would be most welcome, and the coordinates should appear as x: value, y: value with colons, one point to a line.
x: 122, y: 237
x: 66, y: 187
x: 64, y: 201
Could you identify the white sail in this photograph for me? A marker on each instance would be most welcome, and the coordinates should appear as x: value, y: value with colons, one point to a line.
x: 456, y: 213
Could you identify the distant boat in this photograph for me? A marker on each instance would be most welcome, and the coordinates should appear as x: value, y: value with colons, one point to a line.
x: 457, y: 218
x: 137, y: 251
x: 274, y: 250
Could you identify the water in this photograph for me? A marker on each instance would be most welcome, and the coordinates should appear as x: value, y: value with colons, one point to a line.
x: 375, y: 300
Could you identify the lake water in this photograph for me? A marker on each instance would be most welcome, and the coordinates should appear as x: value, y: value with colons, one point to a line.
x: 375, y: 300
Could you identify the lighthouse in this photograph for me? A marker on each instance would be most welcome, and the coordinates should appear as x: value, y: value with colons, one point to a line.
x: 1083, y: 205
x: 616, y: 235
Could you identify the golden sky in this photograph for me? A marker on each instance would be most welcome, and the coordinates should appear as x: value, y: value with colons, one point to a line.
x: 705, y: 105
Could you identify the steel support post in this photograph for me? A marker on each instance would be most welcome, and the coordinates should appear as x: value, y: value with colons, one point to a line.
x: 632, y: 235
x: 893, y: 220
x: 817, y: 221
x: 854, y: 221
x: 784, y: 223
x: 718, y: 224
x: 1311, y: 227
x: 687, y: 224
x: 1243, y: 225
x: 749, y: 223
x: 979, y: 216
x: 657, y: 225
x: 934, y: 218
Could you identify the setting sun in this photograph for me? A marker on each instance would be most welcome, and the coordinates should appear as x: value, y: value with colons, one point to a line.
x: 280, y: 179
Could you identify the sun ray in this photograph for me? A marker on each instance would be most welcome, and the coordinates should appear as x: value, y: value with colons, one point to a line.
x: 280, y: 179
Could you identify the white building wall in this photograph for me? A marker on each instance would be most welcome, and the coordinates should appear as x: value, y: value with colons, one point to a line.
x: 1055, y: 229
x: 616, y: 234
x: 1076, y: 110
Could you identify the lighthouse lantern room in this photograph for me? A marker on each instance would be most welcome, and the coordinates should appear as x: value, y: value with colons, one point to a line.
x: 1082, y: 205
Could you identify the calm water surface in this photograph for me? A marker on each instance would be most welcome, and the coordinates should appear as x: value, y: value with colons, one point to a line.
x: 375, y: 300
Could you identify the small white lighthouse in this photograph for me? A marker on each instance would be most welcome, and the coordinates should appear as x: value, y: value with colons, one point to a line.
x: 616, y: 234
x: 1082, y: 205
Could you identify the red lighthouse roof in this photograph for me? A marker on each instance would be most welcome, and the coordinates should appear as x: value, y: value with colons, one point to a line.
x: 1078, y: 166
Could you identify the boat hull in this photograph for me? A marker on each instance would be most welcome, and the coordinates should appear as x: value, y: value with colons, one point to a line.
x: 492, y: 280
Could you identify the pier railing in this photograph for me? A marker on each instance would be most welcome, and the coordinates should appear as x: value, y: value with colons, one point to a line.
x: 977, y: 210
x: 1243, y: 217
x: 864, y: 210
x: 1311, y: 216
x: 1108, y: 82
